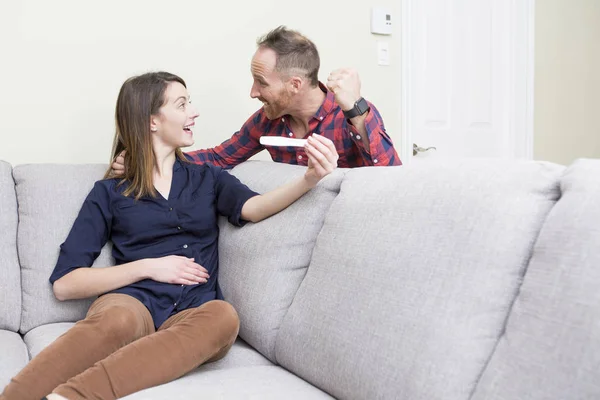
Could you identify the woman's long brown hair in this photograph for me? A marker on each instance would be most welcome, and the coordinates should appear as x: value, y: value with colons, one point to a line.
x: 140, y: 97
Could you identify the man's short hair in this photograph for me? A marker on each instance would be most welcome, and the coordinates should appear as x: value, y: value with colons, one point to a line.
x: 296, y: 54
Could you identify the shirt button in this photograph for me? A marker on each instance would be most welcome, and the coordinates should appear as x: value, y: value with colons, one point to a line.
x: 282, y: 119
x: 321, y: 118
x: 358, y: 137
x: 185, y: 246
x: 182, y: 285
x: 175, y: 305
x: 375, y: 161
x: 351, y: 134
x: 300, y: 157
x: 170, y: 208
x: 178, y: 228
x: 291, y: 134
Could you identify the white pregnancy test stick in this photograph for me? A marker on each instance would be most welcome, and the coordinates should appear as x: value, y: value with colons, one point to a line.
x: 281, y: 141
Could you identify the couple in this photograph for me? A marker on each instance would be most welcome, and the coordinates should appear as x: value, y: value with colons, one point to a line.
x: 160, y: 313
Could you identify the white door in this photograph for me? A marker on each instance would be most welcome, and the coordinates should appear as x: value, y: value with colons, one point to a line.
x: 467, y: 78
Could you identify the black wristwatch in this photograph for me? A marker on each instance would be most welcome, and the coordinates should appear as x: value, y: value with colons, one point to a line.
x: 360, y: 107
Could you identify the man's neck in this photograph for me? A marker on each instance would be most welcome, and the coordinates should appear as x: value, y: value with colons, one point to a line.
x: 307, y: 106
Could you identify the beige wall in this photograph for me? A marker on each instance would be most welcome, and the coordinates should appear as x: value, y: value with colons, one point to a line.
x: 64, y: 61
x: 567, y: 80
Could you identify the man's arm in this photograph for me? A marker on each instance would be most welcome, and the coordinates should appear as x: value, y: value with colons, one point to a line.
x: 367, y: 130
x: 235, y: 150
x: 368, y: 133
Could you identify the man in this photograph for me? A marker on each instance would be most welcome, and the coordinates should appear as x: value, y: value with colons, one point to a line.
x: 285, y: 70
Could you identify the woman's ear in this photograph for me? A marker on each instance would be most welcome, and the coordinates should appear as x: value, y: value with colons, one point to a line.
x: 154, y: 123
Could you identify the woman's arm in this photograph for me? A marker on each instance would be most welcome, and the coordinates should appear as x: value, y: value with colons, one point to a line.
x: 260, y: 207
x: 88, y: 282
x: 322, y: 160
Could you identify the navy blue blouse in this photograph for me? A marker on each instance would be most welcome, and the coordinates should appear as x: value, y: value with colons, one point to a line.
x: 184, y: 225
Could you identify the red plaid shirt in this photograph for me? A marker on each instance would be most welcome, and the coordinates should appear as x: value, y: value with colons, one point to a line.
x: 329, y: 121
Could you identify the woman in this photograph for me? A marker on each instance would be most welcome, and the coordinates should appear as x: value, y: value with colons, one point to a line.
x: 160, y: 312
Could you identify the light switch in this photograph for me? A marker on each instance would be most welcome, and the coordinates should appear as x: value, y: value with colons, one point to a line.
x: 383, y: 53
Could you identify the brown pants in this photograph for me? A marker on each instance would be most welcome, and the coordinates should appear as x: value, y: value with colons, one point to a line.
x: 115, y: 351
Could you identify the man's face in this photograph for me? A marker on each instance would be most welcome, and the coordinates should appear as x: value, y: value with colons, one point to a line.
x: 268, y: 85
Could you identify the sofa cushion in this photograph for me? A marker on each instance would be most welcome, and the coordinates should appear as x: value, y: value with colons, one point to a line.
x: 14, y: 356
x: 50, y: 197
x: 258, y: 382
x: 262, y: 265
x: 240, y: 355
x: 413, y: 275
x: 10, y: 274
x: 38, y: 338
x: 551, y: 347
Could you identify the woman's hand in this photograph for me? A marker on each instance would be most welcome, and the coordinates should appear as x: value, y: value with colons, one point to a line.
x: 322, y: 158
x: 177, y: 270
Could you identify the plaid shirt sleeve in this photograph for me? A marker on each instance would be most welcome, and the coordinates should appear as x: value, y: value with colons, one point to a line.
x: 240, y: 147
x: 381, y: 151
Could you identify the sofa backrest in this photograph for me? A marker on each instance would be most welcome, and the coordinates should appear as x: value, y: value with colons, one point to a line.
x: 413, y: 273
x: 262, y: 265
x: 10, y: 276
x: 551, y: 346
x: 50, y: 197
x: 412, y: 277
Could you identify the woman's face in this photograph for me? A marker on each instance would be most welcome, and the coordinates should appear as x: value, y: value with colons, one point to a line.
x: 175, y: 119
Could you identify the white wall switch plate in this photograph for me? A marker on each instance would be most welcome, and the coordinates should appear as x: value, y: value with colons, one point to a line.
x: 383, y: 53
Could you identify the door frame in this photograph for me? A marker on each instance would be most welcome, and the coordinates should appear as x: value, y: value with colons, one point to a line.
x: 522, y: 80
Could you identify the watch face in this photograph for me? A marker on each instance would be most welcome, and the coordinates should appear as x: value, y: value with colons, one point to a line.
x: 362, y: 106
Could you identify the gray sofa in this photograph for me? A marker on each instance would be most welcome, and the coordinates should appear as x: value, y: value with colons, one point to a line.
x: 461, y: 280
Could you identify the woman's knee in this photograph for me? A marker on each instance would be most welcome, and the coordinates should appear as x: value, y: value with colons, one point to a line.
x: 120, y: 323
x: 226, y: 317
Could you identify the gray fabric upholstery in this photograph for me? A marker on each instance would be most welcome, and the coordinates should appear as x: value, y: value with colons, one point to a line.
x: 10, y: 276
x: 240, y: 355
x: 409, y: 287
x: 38, y: 338
x: 262, y: 265
x: 47, y: 208
x: 462, y: 280
x: 261, y: 382
x: 14, y: 356
x: 551, y: 347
